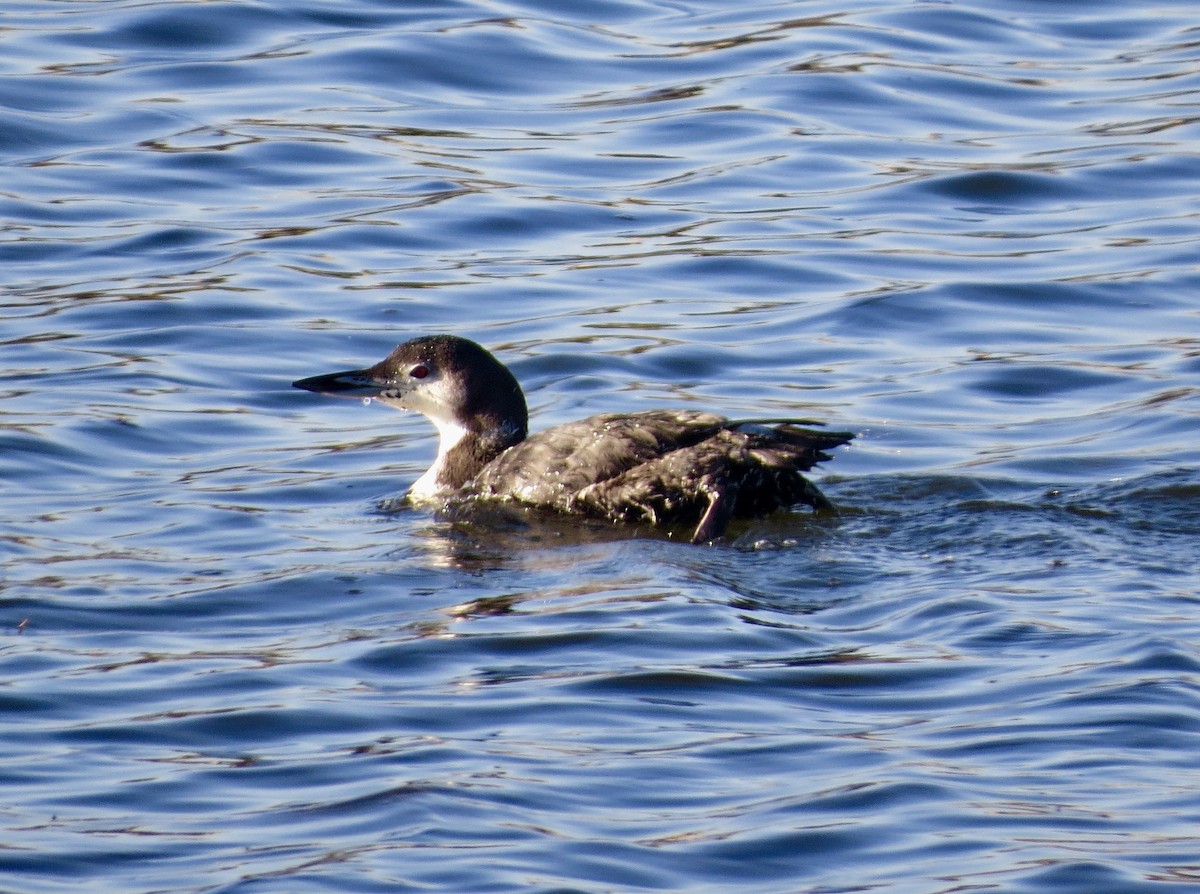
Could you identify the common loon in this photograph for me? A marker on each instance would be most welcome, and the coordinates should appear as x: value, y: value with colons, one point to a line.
x: 670, y: 468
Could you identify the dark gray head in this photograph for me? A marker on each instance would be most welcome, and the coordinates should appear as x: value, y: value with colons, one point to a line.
x: 470, y: 396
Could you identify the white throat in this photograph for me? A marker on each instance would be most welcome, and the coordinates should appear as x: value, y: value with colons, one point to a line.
x: 427, y: 487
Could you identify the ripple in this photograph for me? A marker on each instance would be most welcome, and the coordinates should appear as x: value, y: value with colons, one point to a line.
x: 233, y: 658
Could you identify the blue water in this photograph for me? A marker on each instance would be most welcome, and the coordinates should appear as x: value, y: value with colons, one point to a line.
x: 969, y: 232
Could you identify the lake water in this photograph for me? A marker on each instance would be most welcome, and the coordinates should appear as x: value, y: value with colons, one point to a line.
x: 969, y: 232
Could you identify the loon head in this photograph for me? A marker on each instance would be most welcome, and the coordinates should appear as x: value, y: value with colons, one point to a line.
x: 470, y: 396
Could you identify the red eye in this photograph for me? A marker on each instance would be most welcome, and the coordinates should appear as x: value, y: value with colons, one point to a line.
x: 419, y: 372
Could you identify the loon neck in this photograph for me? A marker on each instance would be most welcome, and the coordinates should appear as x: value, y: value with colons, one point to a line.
x: 463, y: 451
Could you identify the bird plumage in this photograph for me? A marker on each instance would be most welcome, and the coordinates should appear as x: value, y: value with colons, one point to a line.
x: 668, y: 468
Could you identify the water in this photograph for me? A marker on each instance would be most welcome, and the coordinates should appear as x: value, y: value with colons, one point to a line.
x: 966, y: 231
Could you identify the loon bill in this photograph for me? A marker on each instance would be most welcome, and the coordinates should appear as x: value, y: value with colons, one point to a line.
x: 666, y: 467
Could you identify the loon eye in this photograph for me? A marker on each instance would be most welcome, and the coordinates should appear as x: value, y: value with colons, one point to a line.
x: 419, y: 371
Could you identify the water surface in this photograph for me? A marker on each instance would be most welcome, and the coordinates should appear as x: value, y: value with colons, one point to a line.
x: 966, y: 231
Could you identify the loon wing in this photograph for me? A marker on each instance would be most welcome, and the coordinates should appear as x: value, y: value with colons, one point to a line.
x: 665, y: 467
x: 734, y: 473
x: 550, y: 467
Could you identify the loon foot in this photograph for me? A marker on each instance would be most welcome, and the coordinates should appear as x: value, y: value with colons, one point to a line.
x: 721, y: 501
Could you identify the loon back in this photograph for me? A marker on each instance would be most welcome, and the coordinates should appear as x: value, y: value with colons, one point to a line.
x: 665, y: 467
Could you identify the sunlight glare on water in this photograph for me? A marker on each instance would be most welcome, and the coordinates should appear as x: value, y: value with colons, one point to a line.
x: 234, y: 659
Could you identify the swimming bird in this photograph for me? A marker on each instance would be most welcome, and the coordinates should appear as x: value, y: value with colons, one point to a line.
x: 670, y: 468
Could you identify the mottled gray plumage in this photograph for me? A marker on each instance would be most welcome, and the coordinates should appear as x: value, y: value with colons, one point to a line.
x: 664, y: 467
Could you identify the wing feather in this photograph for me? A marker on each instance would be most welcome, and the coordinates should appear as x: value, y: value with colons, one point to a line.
x: 665, y: 467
